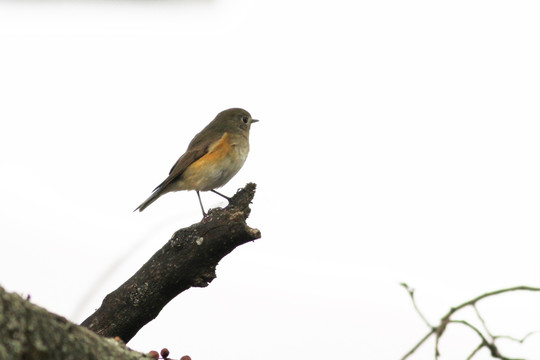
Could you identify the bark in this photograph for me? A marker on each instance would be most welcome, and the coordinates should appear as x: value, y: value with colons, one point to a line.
x: 30, y: 332
x: 188, y: 259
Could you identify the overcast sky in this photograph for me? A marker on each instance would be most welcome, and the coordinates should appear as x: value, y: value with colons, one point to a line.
x: 398, y: 142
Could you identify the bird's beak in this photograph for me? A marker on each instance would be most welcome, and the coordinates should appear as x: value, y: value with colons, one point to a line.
x: 254, y: 120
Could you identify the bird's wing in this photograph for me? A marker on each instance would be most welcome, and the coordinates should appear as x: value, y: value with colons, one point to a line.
x: 196, y: 150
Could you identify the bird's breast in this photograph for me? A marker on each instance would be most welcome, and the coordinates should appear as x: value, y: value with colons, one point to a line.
x: 224, y: 159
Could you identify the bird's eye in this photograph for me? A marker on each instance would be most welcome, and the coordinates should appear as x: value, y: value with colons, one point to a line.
x: 245, y: 119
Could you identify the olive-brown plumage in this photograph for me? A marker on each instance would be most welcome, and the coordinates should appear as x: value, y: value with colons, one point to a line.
x: 212, y: 158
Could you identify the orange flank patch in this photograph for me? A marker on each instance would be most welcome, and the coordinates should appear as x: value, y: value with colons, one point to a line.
x: 216, y: 152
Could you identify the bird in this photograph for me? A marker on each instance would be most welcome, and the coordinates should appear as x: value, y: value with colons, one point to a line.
x: 212, y: 158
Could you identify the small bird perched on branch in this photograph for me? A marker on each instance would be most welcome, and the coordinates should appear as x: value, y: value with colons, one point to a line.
x: 212, y: 158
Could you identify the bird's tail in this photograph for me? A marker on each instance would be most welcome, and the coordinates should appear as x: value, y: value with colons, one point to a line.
x: 155, y: 195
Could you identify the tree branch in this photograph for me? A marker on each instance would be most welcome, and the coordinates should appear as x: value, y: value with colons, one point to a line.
x: 439, y: 330
x: 30, y: 332
x: 411, y: 294
x: 418, y: 344
x: 188, y: 259
x: 491, y: 293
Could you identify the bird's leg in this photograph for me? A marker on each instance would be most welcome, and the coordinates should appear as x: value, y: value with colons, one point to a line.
x: 220, y: 194
x: 200, y: 202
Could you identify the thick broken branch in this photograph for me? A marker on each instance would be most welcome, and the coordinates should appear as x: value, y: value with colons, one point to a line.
x: 187, y: 260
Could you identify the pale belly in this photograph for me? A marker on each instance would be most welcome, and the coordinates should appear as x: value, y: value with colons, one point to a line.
x: 215, y: 174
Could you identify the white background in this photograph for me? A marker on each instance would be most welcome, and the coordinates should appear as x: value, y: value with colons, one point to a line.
x: 398, y: 141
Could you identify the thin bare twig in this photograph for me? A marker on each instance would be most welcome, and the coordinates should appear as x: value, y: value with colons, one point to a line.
x: 411, y: 294
x: 474, y: 328
x: 428, y: 335
x: 521, y: 341
x: 490, y: 345
x: 480, y: 346
x: 482, y: 321
x: 437, y: 352
x: 496, y: 292
x: 439, y: 330
x: 495, y: 337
